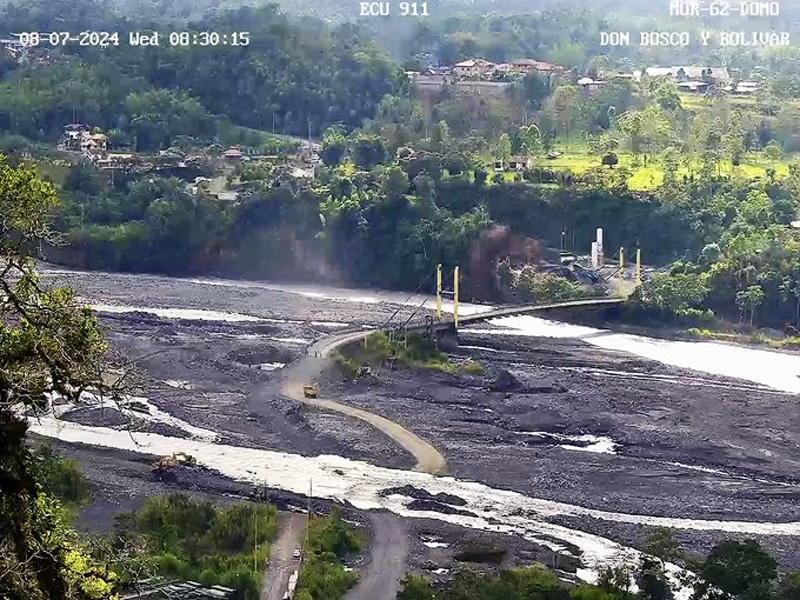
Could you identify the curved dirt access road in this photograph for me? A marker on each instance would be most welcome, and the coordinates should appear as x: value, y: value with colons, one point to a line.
x: 308, y: 368
x: 281, y: 560
x: 387, y: 563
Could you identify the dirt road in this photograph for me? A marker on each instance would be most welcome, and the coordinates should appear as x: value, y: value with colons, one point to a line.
x: 388, y: 550
x: 308, y: 368
x: 281, y: 562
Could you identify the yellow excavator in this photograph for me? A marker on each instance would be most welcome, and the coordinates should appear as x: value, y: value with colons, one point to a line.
x: 168, y: 462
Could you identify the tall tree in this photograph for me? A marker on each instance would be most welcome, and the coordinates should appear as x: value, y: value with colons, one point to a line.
x: 736, y: 570
x: 502, y: 150
x: 749, y: 299
x: 48, y: 345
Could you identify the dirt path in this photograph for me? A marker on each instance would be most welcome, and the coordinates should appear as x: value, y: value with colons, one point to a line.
x: 388, y: 550
x: 308, y: 368
x: 281, y: 562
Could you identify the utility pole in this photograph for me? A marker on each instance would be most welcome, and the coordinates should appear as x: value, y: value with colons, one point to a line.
x: 455, y: 297
x: 308, y: 511
x: 621, y: 263
x: 439, y: 292
x: 638, y: 266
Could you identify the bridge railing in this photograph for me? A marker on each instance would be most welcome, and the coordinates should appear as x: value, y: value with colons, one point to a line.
x: 427, y: 321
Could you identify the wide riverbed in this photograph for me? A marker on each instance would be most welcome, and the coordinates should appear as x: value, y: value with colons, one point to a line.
x: 303, y: 312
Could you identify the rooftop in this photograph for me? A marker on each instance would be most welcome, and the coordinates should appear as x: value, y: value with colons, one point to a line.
x: 539, y: 65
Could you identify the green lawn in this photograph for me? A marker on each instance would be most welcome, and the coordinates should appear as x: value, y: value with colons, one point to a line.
x: 650, y: 177
x: 48, y: 171
x: 690, y: 101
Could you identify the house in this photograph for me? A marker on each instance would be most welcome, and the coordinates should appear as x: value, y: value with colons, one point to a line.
x: 405, y: 153
x: 746, y: 88
x: 308, y: 152
x: 227, y: 196
x: 519, y: 162
x: 620, y: 76
x: 658, y: 71
x: 695, y: 87
x: 499, y: 165
x: 501, y: 72
x: 73, y: 135
x: 121, y: 159
x: 233, y: 154
x: 713, y: 74
x: 200, y: 184
x: 504, y: 68
x: 590, y: 85
x: 472, y: 68
x: 77, y: 137
x: 99, y: 141
x: 13, y: 48
x: 116, y: 161
x: 301, y: 173
x: 529, y: 65
x: 718, y: 75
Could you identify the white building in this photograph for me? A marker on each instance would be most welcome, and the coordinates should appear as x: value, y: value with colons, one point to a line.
x: 716, y: 74
x: 746, y: 87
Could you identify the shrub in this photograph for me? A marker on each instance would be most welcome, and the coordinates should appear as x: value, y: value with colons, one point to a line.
x: 542, y: 175
x: 610, y: 160
x: 546, y: 287
x: 62, y: 477
x: 194, y: 539
x: 412, y: 350
x: 696, y: 317
x: 416, y: 587
x: 473, y: 367
x: 321, y: 576
x: 481, y: 554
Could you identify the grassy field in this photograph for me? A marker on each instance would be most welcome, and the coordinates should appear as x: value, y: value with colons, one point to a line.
x: 690, y: 101
x: 48, y: 171
x: 650, y: 177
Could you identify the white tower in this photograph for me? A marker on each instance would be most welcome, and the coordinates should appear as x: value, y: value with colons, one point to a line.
x: 599, y: 242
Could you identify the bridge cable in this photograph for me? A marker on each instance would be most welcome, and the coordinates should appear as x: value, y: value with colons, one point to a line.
x: 416, y: 310
x: 405, y: 302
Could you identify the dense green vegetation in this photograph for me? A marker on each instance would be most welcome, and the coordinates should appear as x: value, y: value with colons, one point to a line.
x: 379, y: 226
x: 408, y: 181
x: 291, y: 78
x: 732, y: 571
x: 411, y: 350
x: 61, y: 478
x: 322, y: 577
x: 196, y: 540
x: 48, y: 345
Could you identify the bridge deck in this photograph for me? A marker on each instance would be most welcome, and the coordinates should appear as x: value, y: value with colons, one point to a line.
x: 323, y: 347
x: 512, y: 311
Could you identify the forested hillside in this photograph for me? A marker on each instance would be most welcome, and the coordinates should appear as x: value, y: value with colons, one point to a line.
x: 290, y: 79
x: 403, y: 180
